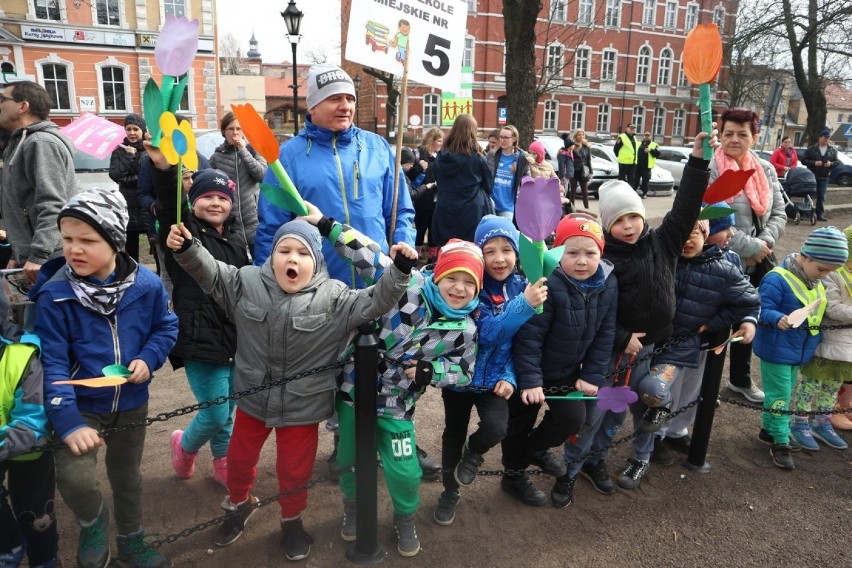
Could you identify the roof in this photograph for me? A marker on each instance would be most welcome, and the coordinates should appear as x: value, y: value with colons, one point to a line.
x: 837, y: 96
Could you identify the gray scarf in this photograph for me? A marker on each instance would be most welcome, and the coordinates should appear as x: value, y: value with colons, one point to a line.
x: 102, y: 297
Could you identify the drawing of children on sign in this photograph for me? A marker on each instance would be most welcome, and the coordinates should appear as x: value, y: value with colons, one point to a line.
x: 400, y: 41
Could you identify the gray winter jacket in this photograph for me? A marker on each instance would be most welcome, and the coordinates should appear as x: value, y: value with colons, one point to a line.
x: 281, y: 334
x: 246, y: 168
x: 38, y: 178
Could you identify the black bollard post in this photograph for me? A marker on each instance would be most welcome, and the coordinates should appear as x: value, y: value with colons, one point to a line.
x: 366, y: 549
x: 695, y: 461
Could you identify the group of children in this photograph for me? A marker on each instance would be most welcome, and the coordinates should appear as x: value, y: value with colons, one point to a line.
x: 467, y: 324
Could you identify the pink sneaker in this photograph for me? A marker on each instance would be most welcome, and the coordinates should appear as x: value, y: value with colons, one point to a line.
x: 220, y: 471
x: 183, y: 462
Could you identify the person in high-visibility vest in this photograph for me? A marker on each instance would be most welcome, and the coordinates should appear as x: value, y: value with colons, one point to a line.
x: 626, y: 154
x: 648, y: 153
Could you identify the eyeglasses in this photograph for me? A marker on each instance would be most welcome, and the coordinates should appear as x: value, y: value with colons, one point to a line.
x: 233, y: 129
x: 4, y: 98
x: 506, y: 137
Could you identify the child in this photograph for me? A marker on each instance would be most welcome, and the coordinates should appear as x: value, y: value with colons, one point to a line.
x: 711, y: 294
x: 290, y: 317
x: 505, y: 303
x: 97, y: 307
x: 207, y: 339
x: 538, y: 166
x: 23, y: 428
x: 781, y: 348
x: 568, y: 344
x: 429, y: 331
x: 644, y: 261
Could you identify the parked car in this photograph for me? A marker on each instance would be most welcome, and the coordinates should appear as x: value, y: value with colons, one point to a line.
x: 603, y: 168
x: 92, y: 172
x: 839, y: 175
x: 661, y: 184
x: 673, y: 159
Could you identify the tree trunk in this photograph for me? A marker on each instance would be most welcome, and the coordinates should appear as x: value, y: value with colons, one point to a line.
x: 519, y: 19
x: 808, y: 80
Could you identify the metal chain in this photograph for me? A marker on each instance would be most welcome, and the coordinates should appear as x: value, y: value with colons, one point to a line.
x: 821, y: 327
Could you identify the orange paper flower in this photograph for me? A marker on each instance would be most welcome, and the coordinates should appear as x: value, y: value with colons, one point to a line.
x: 257, y: 131
x: 702, y: 54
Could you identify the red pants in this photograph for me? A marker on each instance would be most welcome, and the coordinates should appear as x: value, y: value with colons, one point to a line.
x: 296, y: 448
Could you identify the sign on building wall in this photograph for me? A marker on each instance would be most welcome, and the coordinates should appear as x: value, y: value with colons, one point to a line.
x: 77, y: 35
x: 430, y: 33
x: 460, y: 101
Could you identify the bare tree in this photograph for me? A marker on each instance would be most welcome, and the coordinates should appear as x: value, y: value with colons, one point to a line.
x: 316, y: 54
x: 229, y: 54
x: 393, y: 95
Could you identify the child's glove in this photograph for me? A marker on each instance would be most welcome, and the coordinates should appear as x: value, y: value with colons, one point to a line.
x: 423, y: 376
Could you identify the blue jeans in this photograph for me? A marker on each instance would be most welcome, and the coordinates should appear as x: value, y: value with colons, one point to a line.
x: 209, y: 381
x: 822, y: 188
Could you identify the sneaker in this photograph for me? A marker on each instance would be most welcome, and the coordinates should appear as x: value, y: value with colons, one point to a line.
x: 92, y: 544
x: 430, y: 468
x: 562, y: 493
x: 822, y: 431
x: 751, y: 393
x: 550, y: 463
x: 680, y: 445
x: 632, y: 476
x: 12, y: 558
x: 234, y: 525
x: 522, y: 489
x: 296, y: 541
x: 468, y: 467
x: 599, y: 477
x: 661, y: 454
x: 134, y: 553
x: 445, y: 512
x: 653, y: 419
x: 781, y: 456
x: 348, y: 530
x: 406, y: 532
x: 765, y: 437
x: 220, y: 471
x: 801, y: 431
x: 182, y: 461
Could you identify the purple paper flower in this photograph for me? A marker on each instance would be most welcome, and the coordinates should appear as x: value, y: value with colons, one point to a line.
x: 539, y: 207
x: 176, y: 46
x: 616, y: 399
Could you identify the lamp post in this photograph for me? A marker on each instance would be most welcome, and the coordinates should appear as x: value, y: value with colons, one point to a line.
x: 293, y: 20
x: 357, y: 82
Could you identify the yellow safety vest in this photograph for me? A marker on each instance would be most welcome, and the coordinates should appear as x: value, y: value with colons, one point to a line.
x: 627, y: 152
x: 847, y: 279
x: 13, y: 363
x: 806, y: 296
x: 652, y: 161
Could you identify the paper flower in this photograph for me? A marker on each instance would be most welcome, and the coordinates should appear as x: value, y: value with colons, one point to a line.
x: 539, y: 207
x: 702, y: 54
x: 178, y: 141
x: 616, y: 399
x: 257, y: 132
x: 727, y: 185
x: 176, y: 46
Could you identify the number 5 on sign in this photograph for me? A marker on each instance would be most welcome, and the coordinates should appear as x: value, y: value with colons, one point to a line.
x: 428, y: 33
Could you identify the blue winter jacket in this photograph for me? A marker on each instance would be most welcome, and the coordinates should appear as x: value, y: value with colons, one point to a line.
x: 349, y: 176
x: 788, y: 347
x: 78, y: 343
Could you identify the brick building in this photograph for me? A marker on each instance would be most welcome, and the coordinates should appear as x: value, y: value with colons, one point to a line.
x: 609, y: 63
x: 96, y: 55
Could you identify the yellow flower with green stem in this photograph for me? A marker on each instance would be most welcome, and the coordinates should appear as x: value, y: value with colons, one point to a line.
x: 178, y: 147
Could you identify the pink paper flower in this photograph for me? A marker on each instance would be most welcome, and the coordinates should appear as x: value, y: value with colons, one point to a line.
x: 539, y: 207
x: 176, y: 46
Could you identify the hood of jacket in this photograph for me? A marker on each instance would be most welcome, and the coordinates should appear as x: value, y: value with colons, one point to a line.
x: 21, y: 134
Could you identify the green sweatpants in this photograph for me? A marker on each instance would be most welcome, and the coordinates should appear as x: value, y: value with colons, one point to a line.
x: 778, y: 383
x: 396, y: 445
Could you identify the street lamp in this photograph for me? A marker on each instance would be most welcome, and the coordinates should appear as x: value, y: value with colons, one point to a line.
x: 293, y: 20
x: 357, y: 82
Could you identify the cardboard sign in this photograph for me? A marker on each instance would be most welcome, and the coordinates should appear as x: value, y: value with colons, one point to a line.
x: 94, y: 135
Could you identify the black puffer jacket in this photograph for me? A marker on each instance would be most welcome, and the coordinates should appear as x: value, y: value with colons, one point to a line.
x: 246, y: 169
x: 124, y: 170
x: 572, y: 338
x: 646, y: 269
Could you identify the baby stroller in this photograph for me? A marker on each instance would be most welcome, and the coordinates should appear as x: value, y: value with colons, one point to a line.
x: 799, y: 189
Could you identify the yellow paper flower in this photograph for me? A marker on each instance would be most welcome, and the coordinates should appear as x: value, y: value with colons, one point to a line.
x: 178, y: 141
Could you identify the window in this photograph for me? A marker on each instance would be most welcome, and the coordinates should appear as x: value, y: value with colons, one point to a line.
x: 177, y: 8
x: 107, y: 12
x: 670, y: 20
x: 691, y: 16
x: 664, y: 73
x: 578, y: 113
x: 431, y: 109
x: 613, y: 10
x: 47, y: 9
x: 677, y: 124
x: 56, y: 84
x: 184, y: 100
x: 551, y: 112
x: 643, y: 67
x: 608, y: 65
x: 681, y: 78
x: 840, y: 117
x: 587, y: 10
x: 557, y: 10
x: 719, y: 18
x: 554, y: 60
x: 849, y: 118
x: 659, y: 121
x: 241, y: 92
x: 113, y: 88
x: 471, y: 6
x: 639, y: 118
x: 604, y: 113
x: 581, y: 63
x: 649, y: 13
x: 467, y: 55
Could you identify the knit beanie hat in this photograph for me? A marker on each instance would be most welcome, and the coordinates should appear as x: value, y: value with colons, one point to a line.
x: 460, y: 256
x: 721, y: 223
x: 325, y: 80
x: 492, y: 226
x: 617, y: 199
x: 205, y: 182
x: 136, y: 119
x: 826, y: 245
x: 537, y: 149
x: 303, y: 232
x: 571, y: 226
x: 407, y: 156
x: 104, y: 209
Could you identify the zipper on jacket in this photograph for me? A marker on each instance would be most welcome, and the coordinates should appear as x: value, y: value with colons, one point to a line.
x: 342, y: 181
x: 116, y: 348
x: 357, y: 176
x: 239, y: 205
